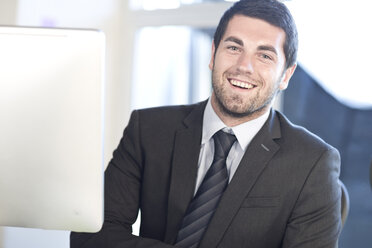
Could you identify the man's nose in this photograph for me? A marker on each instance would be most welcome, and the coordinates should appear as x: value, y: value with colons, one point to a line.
x: 245, y: 63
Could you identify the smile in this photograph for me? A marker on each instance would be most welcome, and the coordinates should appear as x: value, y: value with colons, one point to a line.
x: 241, y: 84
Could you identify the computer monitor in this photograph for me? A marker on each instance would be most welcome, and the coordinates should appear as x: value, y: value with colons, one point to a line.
x: 51, y: 128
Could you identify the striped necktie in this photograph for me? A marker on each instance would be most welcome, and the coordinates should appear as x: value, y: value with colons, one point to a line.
x: 203, y: 205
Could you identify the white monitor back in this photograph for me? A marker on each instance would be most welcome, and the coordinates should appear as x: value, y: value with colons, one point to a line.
x: 51, y: 128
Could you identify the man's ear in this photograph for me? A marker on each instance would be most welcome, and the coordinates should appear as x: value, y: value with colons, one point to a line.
x: 287, y: 76
x: 211, y: 62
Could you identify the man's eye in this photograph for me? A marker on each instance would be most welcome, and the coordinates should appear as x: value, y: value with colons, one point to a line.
x: 233, y: 48
x: 265, y: 56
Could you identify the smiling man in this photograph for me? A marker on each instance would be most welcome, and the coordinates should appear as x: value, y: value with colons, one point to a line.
x: 248, y: 69
x: 230, y: 171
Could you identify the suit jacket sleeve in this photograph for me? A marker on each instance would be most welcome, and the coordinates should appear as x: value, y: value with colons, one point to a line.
x: 315, y: 219
x: 122, y: 198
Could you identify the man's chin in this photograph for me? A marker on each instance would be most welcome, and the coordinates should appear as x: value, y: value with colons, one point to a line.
x: 235, y: 111
x: 237, y: 115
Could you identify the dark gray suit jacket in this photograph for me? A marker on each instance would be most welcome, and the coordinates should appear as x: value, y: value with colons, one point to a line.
x: 285, y: 192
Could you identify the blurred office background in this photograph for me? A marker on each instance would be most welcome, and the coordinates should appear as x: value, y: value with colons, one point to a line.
x: 158, y: 53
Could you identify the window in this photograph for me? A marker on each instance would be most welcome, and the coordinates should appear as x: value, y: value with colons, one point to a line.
x: 171, y: 66
x: 172, y: 50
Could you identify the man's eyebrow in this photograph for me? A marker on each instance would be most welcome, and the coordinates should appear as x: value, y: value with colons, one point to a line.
x: 241, y: 43
x: 235, y: 40
x: 267, y: 48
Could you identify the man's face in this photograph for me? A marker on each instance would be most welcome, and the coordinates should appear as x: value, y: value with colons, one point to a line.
x: 248, y: 69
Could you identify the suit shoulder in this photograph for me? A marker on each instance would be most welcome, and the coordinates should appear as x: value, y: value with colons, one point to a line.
x: 299, y: 136
x: 167, y: 116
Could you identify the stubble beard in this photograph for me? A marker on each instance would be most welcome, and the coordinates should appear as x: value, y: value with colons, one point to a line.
x: 235, y: 106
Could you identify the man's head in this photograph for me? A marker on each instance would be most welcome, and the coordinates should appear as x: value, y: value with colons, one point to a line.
x: 253, y: 58
x: 271, y: 11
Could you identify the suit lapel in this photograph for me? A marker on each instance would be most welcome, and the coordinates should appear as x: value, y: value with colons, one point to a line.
x: 184, y: 170
x: 258, y: 154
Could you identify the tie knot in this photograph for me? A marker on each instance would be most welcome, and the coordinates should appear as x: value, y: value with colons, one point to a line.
x: 222, y: 143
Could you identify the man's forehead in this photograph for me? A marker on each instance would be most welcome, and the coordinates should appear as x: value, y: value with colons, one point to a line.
x: 259, y: 25
x: 242, y: 27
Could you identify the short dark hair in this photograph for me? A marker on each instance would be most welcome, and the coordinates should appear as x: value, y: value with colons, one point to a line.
x: 271, y: 11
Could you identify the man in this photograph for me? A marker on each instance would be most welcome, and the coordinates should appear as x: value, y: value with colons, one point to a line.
x: 282, y: 180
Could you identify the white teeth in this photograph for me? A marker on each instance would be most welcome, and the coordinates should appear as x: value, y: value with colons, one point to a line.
x: 242, y: 84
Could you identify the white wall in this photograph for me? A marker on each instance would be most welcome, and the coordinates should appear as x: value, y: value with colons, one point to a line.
x: 110, y: 16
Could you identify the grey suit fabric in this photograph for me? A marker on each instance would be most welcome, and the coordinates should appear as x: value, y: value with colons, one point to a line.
x: 285, y: 192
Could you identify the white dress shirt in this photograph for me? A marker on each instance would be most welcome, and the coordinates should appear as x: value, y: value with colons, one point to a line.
x: 244, y: 134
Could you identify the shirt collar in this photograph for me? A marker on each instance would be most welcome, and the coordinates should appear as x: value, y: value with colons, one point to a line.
x: 244, y: 132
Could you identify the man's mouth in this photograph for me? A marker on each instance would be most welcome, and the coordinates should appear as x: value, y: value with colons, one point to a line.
x: 241, y: 84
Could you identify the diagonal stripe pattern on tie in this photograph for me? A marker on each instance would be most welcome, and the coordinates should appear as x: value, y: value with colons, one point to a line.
x: 202, y: 207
